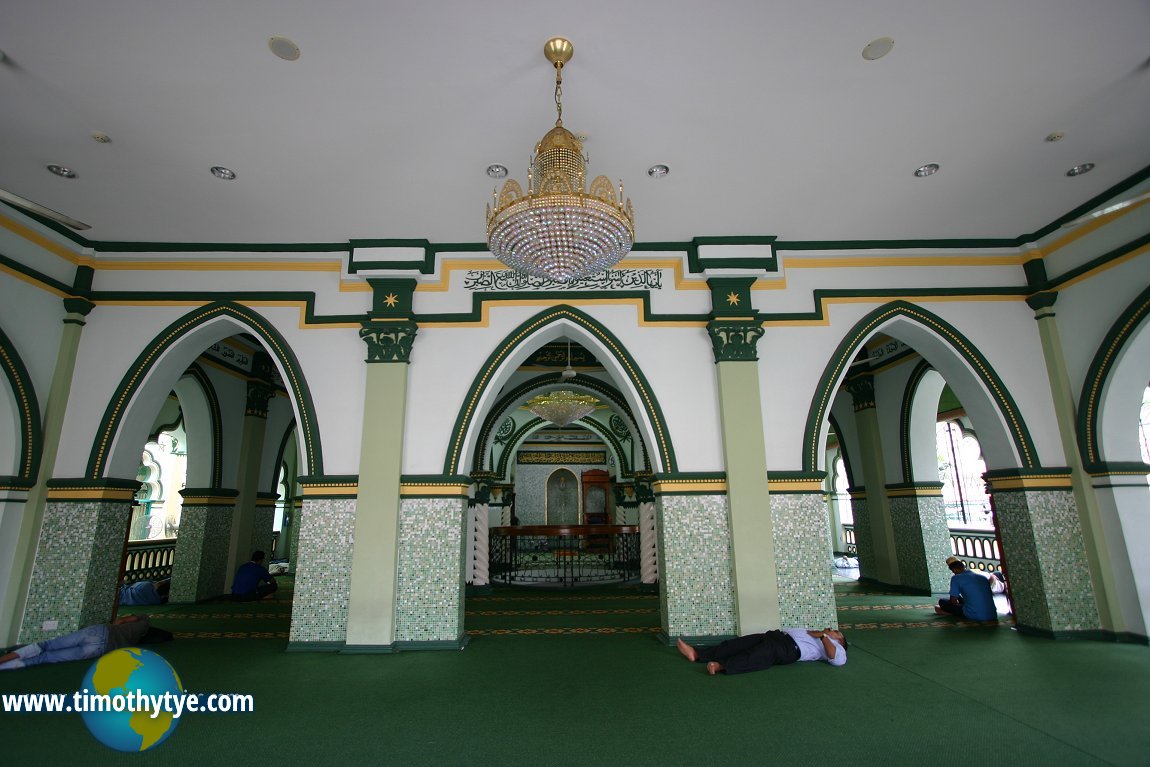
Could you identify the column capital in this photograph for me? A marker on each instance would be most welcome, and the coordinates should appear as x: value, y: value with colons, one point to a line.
x: 1042, y: 303
x: 258, y: 394
x: 388, y: 341
x: 735, y: 340
x: 861, y: 388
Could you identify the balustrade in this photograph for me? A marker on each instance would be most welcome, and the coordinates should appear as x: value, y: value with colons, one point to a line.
x: 978, y: 548
x: 564, y: 554
x: 149, y: 560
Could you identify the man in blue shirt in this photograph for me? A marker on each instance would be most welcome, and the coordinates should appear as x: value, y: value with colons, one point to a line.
x: 253, y: 581
x: 970, y: 595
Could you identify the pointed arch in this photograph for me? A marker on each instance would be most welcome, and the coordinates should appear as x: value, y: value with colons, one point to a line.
x: 595, y: 334
x: 1127, y: 331
x: 204, y: 425
x: 533, y: 425
x: 528, y: 388
x: 926, y: 327
x: 925, y: 381
x: 200, y: 324
x: 27, y: 416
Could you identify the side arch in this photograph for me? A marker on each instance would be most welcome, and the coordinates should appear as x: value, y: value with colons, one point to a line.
x: 204, y: 425
x: 917, y: 422
x: 29, y: 446
x: 1128, y: 338
x: 186, y: 338
x: 920, y: 328
x: 618, y: 361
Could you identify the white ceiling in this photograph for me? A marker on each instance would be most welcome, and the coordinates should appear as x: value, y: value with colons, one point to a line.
x: 766, y: 112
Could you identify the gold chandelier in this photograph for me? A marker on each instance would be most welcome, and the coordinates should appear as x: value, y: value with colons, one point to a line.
x: 562, y: 407
x: 558, y: 230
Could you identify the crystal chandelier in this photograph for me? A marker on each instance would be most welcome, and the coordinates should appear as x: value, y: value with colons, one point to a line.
x: 558, y: 230
x: 562, y: 407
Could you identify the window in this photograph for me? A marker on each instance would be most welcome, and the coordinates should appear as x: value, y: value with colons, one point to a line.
x: 960, y: 468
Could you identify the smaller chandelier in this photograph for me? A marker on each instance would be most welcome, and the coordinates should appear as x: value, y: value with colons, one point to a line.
x: 562, y: 407
x: 559, y: 230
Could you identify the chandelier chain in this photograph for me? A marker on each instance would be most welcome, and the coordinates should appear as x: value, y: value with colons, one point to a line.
x: 559, y: 94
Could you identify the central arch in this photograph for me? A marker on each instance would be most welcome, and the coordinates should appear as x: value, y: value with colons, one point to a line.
x: 543, y: 327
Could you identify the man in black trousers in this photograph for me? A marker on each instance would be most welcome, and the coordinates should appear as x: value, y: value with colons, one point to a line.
x: 755, y: 652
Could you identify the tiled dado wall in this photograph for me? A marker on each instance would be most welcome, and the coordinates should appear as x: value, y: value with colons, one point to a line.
x: 74, y: 579
x: 864, y: 539
x: 323, y: 570
x: 429, y: 590
x: 1046, y: 560
x: 263, y: 519
x: 921, y: 541
x: 695, y: 557
x: 199, y: 569
x: 802, y: 560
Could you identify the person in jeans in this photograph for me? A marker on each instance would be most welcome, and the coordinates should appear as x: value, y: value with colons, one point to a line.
x: 88, y: 642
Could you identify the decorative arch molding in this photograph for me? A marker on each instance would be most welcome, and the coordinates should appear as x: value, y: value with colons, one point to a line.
x: 30, y: 444
x: 924, y: 386
x: 533, y: 425
x: 842, y: 449
x: 503, y: 407
x: 623, y: 363
x: 999, y: 399
x: 245, y: 320
x: 1105, y: 372
x: 213, y: 420
x: 286, y: 443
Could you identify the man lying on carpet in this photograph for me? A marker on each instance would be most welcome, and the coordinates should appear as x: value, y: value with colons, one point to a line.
x: 755, y: 652
x: 88, y: 642
x: 970, y: 595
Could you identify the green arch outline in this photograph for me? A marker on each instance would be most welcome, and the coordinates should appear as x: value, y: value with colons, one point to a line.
x: 846, y: 349
x: 31, y: 436
x: 515, y: 338
x: 205, y: 382
x: 1101, y: 367
x: 908, y: 395
x: 521, y: 391
x: 597, y: 428
x: 144, y: 363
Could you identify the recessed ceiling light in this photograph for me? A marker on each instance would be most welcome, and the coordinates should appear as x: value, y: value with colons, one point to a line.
x: 226, y: 174
x: 658, y: 171
x: 927, y: 170
x: 284, y: 48
x: 1078, y: 170
x: 61, y: 171
x: 878, y: 48
x: 1055, y: 136
x: 497, y: 171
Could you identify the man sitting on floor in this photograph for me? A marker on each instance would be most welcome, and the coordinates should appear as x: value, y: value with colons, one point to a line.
x: 970, y: 595
x: 253, y: 581
x: 755, y: 652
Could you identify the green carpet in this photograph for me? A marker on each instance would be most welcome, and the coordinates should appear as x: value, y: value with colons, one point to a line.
x: 621, y: 698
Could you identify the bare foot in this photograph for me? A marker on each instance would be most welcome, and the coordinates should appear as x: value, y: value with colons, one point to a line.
x: 940, y: 611
x: 686, y: 649
x: 714, y: 667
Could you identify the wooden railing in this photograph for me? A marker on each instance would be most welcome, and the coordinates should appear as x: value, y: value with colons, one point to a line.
x: 563, y: 554
x: 149, y: 560
x: 979, y: 548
